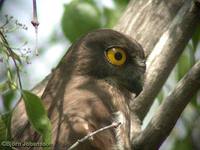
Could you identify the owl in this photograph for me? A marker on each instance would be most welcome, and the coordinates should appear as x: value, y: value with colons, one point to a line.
x: 91, y: 88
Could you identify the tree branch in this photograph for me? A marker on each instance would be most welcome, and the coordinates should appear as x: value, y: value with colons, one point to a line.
x: 147, y: 20
x: 113, y: 125
x: 165, y: 55
x: 168, y: 113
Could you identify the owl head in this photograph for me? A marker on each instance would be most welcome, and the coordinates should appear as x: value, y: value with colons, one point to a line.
x: 110, y: 55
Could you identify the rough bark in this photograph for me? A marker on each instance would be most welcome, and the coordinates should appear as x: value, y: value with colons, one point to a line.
x: 147, y: 20
x: 168, y: 113
x: 163, y: 27
x: 165, y: 54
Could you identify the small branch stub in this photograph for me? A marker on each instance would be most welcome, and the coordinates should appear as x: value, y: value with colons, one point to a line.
x: 35, y: 24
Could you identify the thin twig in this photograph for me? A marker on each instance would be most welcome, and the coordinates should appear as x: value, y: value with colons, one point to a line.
x: 113, y: 125
x: 14, y: 148
x: 13, y: 58
x: 11, y: 54
x: 6, y: 22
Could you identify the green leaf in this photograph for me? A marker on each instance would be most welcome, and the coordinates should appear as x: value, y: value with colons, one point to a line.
x: 11, y: 79
x: 9, y: 97
x: 16, y: 57
x: 121, y: 3
x: 37, y: 115
x: 9, y: 52
x: 183, y: 144
x: 160, y: 96
x: 3, y: 130
x: 9, y: 75
x: 79, y: 18
x: 196, y: 38
x: 7, y: 121
x: 185, y: 63
x: 194, y: 103
x: 112, y: 15
x: 4, y: 86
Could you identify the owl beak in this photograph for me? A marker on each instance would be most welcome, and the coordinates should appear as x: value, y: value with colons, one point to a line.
x: 134, y: 86
x: 140, y: 62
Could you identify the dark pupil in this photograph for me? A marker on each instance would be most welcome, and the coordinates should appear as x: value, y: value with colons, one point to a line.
x: 118, y: 56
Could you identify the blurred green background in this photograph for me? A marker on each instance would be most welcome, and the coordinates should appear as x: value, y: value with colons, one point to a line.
x: 63, y: 22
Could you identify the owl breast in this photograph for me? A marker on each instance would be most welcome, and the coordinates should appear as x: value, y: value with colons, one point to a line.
x: 121, y: 114
x: 98, y: 104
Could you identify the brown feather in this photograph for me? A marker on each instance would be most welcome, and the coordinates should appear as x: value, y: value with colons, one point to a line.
x: 86, y: 93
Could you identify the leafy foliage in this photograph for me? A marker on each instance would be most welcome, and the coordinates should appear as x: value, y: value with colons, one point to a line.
x: 81, y: 17
x: 12, y: 87
x: 3, y: 130
x: 37, y: 115
x: 196, y: 38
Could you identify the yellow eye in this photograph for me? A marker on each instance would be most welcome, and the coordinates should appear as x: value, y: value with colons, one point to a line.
x: 116, y: 56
